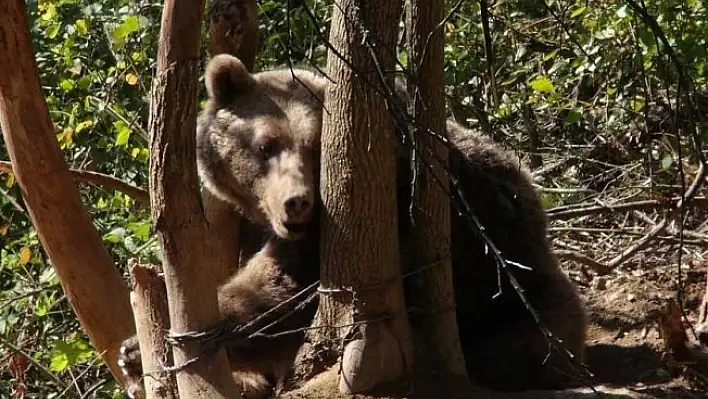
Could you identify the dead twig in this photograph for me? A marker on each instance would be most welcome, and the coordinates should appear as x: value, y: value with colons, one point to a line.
x: 598, y: 267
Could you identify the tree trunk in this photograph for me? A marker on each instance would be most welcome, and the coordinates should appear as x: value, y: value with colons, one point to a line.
x: 359, y: 201
x: 176, y: 206
x: 233, y: 27
x: 149, y: 302
x: 431, y: 290
x: 88, y: 276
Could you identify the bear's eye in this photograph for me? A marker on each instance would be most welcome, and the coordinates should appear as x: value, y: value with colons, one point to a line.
x: 268, y: 149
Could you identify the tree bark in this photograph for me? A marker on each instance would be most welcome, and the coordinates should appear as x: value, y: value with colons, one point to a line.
x: 233, y: 27
x: 358, y: 183
x: 88, y: 276
x: 432, y: 290
x: 149, y: 302
x: 176, y: 206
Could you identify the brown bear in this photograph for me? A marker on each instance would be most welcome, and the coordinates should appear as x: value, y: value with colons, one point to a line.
x: 258, y: 149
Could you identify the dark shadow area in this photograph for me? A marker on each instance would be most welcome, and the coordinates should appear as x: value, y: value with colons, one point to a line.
x: 626, y: 365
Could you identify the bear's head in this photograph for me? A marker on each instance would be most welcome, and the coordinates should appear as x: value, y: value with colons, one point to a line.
x: 258, y: 143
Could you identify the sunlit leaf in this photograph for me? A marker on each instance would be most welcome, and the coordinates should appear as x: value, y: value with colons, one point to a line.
x: 53, y: 30
x: 10, y: 180
x: 666, y: 162
x: 131, y: 79
x: 25, y: 255
x: 83, y: 126
x: 59, y: 362
x: 130, y: 25
x: 542, y: 84
x: 141, y: 230
x: 42, y: 305
x: 115, y: 236
x: 4, y: 229
x: 622, y: 11
x: 49, y: 276
x: 550, y: 55
x: 122, y: 133
x: 578, y: 11
x: 81, y: 27
x: 66, y: 84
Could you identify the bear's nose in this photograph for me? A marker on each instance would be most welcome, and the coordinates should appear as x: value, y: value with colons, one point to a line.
x: 297, y: 206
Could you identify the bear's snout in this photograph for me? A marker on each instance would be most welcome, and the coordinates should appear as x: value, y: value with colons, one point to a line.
x: 298, y: 207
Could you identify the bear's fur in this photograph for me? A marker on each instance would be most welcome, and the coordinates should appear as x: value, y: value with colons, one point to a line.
x: 258, y: 148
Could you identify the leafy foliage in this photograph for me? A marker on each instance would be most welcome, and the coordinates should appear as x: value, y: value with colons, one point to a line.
x: 581, y: 84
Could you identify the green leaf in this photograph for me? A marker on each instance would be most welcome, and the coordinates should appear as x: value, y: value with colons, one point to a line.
x: 83, y: 126
x: 130, y: 25
x: 550, y: 55
x: 53, y: 30
x: 115, y: 236
x: 42, y: 306
x: 574, y: 116
x: 666, y: 162
x: 548, y: 200
x: 59, y: 362
x: 81, y: 27
x: 542, y: 84
x: 122, y: 133
x: 141, y: 230
x: 622, y: 12
x: 578, y: 11
x: 48, y: 276
x: 66, y: 85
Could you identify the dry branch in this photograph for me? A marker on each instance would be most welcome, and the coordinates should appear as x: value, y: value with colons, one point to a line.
x: 599, y: 267
x: 98, y: 179
x: 176, y: 205
x: 656, y: 230
x: 574, y: 211
x: 88, y: 276
x: 149, y: 301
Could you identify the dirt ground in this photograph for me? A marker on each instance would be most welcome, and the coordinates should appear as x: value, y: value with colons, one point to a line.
x: 625, y: 346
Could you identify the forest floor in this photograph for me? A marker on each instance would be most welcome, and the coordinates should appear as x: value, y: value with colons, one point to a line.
x: 629, y: 309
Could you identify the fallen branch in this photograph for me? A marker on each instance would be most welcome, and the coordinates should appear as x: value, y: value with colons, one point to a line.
x: 572, y: 211
x: 599, y: 267
x: 661, y: 226
x: 98, y: 179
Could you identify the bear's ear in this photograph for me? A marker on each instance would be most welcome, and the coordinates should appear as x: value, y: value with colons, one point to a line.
x: 226, y: 78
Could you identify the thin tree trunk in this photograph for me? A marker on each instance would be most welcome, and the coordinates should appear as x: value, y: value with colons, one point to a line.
x: 176, y: 206
x: 233, y: 27
x: 90, y: 280
x: 149, y: 302
x: 489, y: 53
x: 358, y: 183
x: 432, y: 289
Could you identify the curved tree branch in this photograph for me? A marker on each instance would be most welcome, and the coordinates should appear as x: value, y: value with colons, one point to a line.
x: 98, y: 179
